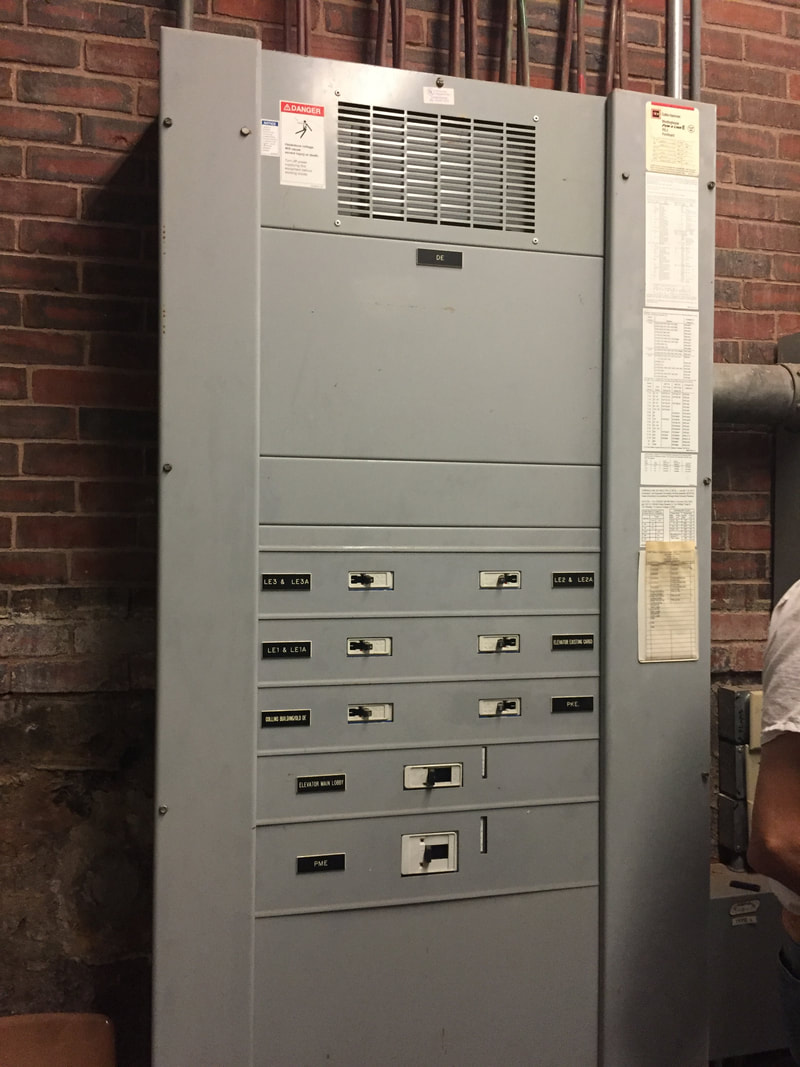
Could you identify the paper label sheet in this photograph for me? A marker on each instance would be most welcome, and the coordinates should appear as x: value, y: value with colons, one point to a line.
x: 668, y: 618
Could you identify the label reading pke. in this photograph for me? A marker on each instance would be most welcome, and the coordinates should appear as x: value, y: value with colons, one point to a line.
x: 566, y: 704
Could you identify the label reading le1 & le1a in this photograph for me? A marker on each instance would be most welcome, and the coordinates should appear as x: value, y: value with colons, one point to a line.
x: 293, y: 583
x: 321, y: 783
x: 439, y: 257
x: 571, y: 642
x: 285, y: 649
x: 567, y: 704
x: 289, y: 717
x: 573, y: 579
x: 334, y: 861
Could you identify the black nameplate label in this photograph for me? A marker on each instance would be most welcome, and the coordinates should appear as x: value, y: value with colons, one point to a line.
x: 293, y: 583
x: 321, y: 783
x: 570, y: 579
x: 564, y: 704
x: 293, y: 717
x: 320, y: 864
x: 438, y: 257
x: 286, y: 650
x: 571, y: 642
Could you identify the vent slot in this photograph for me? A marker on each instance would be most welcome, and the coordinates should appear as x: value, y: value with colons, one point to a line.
x: 411, y: 166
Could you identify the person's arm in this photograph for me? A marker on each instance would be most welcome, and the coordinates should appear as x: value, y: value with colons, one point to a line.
x: 775, y: 834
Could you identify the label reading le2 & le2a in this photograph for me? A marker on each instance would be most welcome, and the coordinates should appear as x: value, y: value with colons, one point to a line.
x: 293, y: 583
x: 573, y: 579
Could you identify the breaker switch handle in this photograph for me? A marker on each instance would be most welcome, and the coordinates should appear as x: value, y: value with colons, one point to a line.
x: 505, y: 705
x: 506, y: 642
x: 434, y: 852
x: 507, y: 579
x: 362, y: 579
x: 362, y: 712
x: 361, y: 645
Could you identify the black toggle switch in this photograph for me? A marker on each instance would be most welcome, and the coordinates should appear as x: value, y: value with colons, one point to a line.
x: 438, y: 774
x: 361, y: 646
x: 507, y: 579
x: 361, y: 712
x: 505, y: 705
x: 362, y: 579
x: 434, y: 852
x: 506, y: 642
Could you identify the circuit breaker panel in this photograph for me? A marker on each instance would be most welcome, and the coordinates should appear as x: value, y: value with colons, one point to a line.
x: 381, y: 698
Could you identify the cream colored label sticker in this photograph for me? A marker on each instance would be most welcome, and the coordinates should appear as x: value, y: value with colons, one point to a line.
x: 667, y: 513
x: 670, y: 361
x: 672, y: 138
x: 668, y: 619
x: 270, y: 141
x: 302, y: 137
x: 432, y: 94
x: 668, y: 468
x: 671, y: 241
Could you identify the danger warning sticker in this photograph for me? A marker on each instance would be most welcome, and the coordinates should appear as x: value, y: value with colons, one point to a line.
x: 302, y: 138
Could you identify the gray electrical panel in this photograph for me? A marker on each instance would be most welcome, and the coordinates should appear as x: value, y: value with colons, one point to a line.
x: 418, y: 799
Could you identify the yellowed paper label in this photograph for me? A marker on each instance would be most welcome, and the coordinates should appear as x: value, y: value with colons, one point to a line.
x: 672, y: 138
x: 668, y: 618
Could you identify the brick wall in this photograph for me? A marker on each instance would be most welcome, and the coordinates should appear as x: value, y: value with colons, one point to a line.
x: 78, y: 170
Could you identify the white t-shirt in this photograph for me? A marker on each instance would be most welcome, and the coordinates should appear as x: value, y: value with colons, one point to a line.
x: 781, y: 710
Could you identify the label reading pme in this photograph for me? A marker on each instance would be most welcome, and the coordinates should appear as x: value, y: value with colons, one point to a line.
x: 571, y: 642
x: 570, y: 579
x: 439, y: 257
x: 290, y: 717
x: 565, y: 704
x: 286, y: 650
x: 321, y: 783
x: 295, y: 583
x: 320, y: 864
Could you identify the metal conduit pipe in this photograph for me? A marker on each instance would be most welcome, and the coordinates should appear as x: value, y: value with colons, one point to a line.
x: 695, y: 77
x: 185, y: 14
x: 758, y: 395
x: 675, y: 49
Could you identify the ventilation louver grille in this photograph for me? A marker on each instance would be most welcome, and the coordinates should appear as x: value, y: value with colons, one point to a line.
x: 418, y: 167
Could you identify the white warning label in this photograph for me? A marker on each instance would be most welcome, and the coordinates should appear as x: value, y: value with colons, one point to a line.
x: 302, y: 136
x: 673, y: 138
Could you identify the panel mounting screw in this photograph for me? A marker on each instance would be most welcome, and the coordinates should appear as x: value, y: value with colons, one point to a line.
x: 535, y: 118
x: 625, y: 175
x: 167, y: 122
x: 536, y: 240
x: 712, y: 185
x: 162, y: 809
x: 336, y: 92
x: 439, y: 83
x: 245, y: 131
x: 167, y: 468
x: 338, y: 222
x: 706, y: 481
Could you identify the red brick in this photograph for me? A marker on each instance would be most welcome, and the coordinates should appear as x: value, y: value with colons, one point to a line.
x: 746, y: 658
x: 120, y: 566
x: 772, y: 51
x: 28, y: 421
x: 768, y: 235
x: 69, y: 90
x: 750, y: 536
x: 728, y: 293
x: 720, y: 660
x: 7, y: 233
x: 74, y: 531
x: 43, y: 49
x: 743, y: 324
x: 36, y: 496
x: 739, y: 77
x: 764, y: 18
x: 78, y: 239
x: 768, y: 174
x: 9, y: 460
x: 725, y: 44
x: 727, y: 104
x: 80, y: 313
x: 789, y: 147
x: 34, y: 272
x: 111, y: 205
x: 114, y: 20
x: 85, y: 675
x: 128, y: 280
x: 81, y: 460
x: 773, y: 113
x: 29, y: 198
x: 733, y: 264
x: 147, y: 102
x: 124, y: 351
x: 726, y: 351
x: 6, y: 90
x: 101, y: 131
x: 133, y: 61
x: 10, y: 309
x: 786, y: 268
x: 94, y: 388
x: 5, y: 532
x: 744, y: 204
x: 770, y: 296
x: 788, y: 324
x: 11, y: 11
x: 74, y: 165
x: 743, y: 506
x: 732, y: 565
x: 727, y: 233
x: 10, y: 161
x: 736, y: 626
x: 32, y: 346
x: 32, y: 124
x: 746, y: 141
x: 719, y: 535
x: 33, y: 568
x: 725, y: 171
x: 21, y: 640
x: 234, y: 29
x: 794, y: 87
x: 758, y: 352
x: 13, y: 383
x: 121, y: 498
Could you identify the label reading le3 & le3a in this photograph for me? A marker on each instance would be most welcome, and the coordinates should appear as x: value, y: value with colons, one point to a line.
x: 571, y: 642
x: 293, y: 583
x: 285, y: 649
x: 573, y: 579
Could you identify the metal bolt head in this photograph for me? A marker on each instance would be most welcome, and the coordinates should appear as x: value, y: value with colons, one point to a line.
x: 535, y: 118
x: 162, y: 809
x: 338, y: 222
x: 167, y: 122
x: 245, y: 131
x: 706, y: 481
x: 625, y: 175
x: 712, y: 185
x: 536, y: 240
x: 336, y: 92
x: 439, y: 83
x: 167, y: 467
